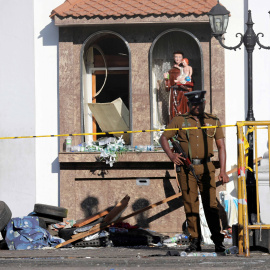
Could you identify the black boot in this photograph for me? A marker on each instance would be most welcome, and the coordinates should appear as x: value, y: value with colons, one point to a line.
x: 195, y: 245
x: 219, y: 247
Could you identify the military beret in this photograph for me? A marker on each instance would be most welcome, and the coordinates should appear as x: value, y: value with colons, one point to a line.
x: 196, y: 96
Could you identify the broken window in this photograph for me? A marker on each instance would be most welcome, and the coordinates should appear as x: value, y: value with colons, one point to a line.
x: 106, y: 78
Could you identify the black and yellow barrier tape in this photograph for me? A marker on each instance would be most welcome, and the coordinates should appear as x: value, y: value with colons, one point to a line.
x: 113, y: 132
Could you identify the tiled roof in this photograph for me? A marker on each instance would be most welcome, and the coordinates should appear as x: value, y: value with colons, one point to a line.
x: 120, y: 8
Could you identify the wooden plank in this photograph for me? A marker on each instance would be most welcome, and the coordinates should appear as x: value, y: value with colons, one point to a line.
x: 90, y: 219
x: 115, y: 213
x: 117, y: 210
x: 104, y: 225
x: 111, y: 215
x: 150, y: 207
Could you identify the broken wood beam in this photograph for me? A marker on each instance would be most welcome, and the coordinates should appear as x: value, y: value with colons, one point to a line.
x: 104, y: 225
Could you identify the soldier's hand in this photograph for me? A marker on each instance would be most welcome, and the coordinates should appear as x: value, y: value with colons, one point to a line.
x: 223, y: 177
x: 177, y: 158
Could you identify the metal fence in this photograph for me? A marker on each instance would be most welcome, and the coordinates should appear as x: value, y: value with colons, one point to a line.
x: 243, y: 224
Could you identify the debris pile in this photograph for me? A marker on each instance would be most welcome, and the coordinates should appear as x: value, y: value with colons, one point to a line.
x: 46, y: 227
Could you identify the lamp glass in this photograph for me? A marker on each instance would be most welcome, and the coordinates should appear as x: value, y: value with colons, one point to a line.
x: 218, y: 24
x: 225, y: 23
x: 211, y: 20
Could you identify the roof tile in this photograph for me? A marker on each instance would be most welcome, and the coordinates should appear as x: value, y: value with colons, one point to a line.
x: 117, y: 8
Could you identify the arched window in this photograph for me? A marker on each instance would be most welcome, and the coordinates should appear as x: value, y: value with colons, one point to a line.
x: 105, y: 84
x: 161, y: 60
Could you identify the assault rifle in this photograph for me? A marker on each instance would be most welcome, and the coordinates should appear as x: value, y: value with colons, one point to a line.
x: 178, y: 149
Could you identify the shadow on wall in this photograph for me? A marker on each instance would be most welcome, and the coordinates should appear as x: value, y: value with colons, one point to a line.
x: 143, y: 220
x: 55, y: 166
x: 49, y: 34
x: 90, y: 206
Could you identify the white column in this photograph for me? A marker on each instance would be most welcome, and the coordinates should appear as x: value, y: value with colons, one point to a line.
x: 46, y: 100
x: 261, y: 68
x: 17, y: 106
x: 235, y: 80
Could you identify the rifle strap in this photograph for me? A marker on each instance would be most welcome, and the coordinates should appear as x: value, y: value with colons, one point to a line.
x: 177, y: 180
x: 189, y: 146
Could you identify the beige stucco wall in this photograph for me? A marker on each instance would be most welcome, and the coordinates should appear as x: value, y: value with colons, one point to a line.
x: 80, y: 177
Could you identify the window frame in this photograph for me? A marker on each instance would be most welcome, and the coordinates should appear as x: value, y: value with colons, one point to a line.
x: 151, y: 63
x: 91, y: 39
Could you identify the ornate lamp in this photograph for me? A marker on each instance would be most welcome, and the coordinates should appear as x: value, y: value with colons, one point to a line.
x: 219, y: 18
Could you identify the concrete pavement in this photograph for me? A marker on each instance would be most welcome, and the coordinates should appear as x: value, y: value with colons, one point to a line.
x: 120, y: 258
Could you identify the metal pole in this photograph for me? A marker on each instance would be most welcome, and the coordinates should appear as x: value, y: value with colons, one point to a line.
x: 241, y: 172
x: 243, y: 199
x: 269, y: 151
x: 250, y: 40
x: 257, y: 178
x: 250, y: 115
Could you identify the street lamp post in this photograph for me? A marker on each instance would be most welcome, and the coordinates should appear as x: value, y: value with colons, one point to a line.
x: 219, y: 18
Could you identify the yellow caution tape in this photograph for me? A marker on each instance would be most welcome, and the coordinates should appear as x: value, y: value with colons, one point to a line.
x: 250, y: 130
x: 112, y: 132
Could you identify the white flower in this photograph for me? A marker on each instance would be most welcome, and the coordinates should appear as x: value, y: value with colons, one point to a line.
x: 113, y: 147
x: 110, y: 161
x: 120, y: 140
x: 103, y: 154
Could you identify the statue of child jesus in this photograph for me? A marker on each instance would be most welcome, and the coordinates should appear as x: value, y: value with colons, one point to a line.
x: 185, y: 73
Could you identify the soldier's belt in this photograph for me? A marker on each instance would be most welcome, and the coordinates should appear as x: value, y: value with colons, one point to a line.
x: 198, y: 161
